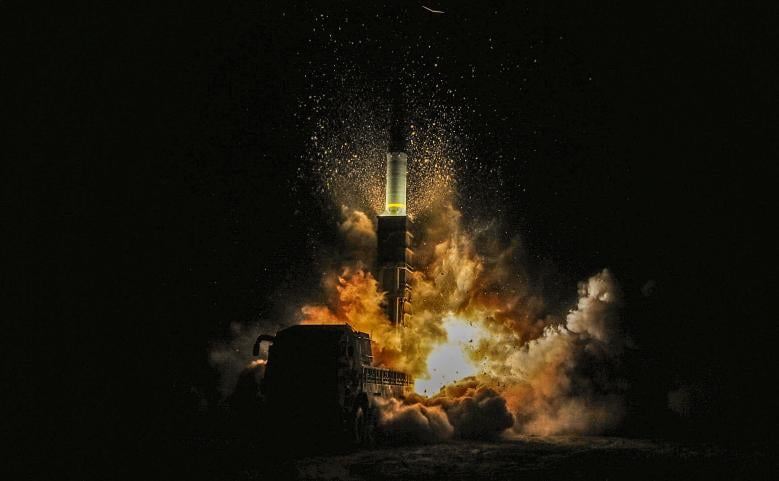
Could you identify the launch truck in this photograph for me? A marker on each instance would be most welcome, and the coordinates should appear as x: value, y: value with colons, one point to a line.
x: 320, y: 379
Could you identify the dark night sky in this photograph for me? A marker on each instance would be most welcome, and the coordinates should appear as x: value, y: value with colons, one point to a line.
x: 164, y: 148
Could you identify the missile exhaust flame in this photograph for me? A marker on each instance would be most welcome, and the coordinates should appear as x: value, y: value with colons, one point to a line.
x: 452, y: 360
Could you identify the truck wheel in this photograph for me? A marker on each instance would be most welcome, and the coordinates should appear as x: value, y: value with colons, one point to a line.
x: 371, y: 421
x: 364, y: 424
x: 358, y: 426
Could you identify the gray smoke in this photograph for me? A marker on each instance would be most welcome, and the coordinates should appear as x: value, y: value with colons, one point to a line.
x: 463, y: 410
x: 233, y: 357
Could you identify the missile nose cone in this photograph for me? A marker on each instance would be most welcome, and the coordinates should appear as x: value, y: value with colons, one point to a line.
x: 397, y: 137
x: 396, y: 159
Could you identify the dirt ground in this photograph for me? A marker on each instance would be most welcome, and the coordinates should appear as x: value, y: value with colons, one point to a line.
x: 521, y: 458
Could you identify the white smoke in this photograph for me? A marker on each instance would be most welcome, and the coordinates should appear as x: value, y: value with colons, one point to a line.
x: 557, y: 392
x: 596, y: 314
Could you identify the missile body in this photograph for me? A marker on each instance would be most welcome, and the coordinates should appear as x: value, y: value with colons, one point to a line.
x: 396, y: 183
x: 394, y: 256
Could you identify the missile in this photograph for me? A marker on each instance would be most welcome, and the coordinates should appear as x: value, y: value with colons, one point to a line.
x: 393, y: 239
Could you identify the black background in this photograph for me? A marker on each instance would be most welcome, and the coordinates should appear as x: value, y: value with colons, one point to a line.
x: 157, y: 199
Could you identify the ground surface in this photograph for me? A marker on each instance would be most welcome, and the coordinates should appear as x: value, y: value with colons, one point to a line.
x: 523, y: 458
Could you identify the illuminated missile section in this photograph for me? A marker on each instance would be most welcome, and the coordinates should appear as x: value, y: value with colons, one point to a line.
x: 397, y: 163
x: 394, y: 239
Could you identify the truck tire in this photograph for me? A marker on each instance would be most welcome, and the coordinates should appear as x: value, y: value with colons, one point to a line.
x: 372, y: 421
x: 363, y: 427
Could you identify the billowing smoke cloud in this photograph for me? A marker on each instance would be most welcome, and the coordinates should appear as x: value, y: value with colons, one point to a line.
x: 402, y: 423
x: 560, y: 382
x: 595, y: 317
x: 475, y: 411
x: 463, y: 410
x: 531, y: 371
x: 233, y: 358
x: 358, y: 235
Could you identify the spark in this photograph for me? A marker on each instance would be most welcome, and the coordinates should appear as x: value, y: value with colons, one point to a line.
x: 431, y: 10
x: 350, y: 156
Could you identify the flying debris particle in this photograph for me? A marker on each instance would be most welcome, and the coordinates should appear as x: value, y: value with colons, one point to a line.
x: 349, y: 141
x: 431, y: 10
